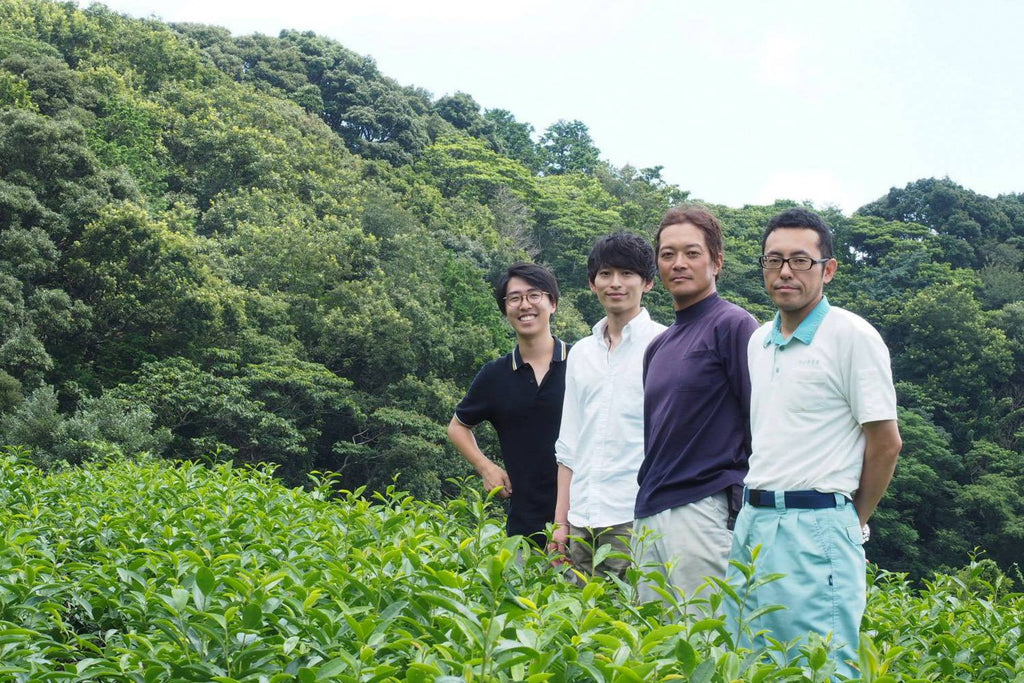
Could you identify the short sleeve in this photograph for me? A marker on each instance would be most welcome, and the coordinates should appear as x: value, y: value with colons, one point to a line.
x: 475, y: 407
x: 872, y: 394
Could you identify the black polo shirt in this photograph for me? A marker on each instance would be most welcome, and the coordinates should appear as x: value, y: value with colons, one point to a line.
x: 526, y: 418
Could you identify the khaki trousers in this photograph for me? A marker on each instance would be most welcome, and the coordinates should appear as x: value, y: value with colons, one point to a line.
x: 686, y: 544
x: 585, y: 542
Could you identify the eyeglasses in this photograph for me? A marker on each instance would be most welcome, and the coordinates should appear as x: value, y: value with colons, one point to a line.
x: 533, y: 296
x: 795, y: 262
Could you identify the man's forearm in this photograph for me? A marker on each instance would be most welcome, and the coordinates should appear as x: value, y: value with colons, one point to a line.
x: 464, y: 440
x: 880, y: 454
x: 493, y: 475
x: 562, y: 502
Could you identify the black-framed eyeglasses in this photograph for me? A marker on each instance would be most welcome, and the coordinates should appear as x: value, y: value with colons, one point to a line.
x: 795, y: 262
x: 533, y: 296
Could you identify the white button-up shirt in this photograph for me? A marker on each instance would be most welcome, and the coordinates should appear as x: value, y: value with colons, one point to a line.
x: 601, y: 438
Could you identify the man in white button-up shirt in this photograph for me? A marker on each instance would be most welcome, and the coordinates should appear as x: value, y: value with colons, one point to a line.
x: 601, y: 440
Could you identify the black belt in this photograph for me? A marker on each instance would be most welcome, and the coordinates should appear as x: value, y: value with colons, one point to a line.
x: 807, y: 500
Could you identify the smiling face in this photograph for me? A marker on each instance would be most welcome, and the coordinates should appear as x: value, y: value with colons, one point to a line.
x: 685, y: 264
x: 528, y: 319
x: 619, y: 290
x: 796, y: 292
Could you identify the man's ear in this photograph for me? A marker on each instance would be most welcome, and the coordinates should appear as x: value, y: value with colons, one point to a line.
x: 648, y: 285
x: 830, y: 269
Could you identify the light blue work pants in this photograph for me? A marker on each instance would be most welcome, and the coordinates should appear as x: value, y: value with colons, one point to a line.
x: 824, y: 589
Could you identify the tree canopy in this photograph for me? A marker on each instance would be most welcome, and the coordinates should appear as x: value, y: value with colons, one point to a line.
x: 262, y: 249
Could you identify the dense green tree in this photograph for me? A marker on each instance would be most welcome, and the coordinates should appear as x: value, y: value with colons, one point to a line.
x: 34, y: 422
x: 991, y: 503
x: 462, y: 111
x: 61, y: 186
x: 375, y: 116
x: 566, y: 147
x: 10, y: 393
x: 466, y: 167
x: 643, y: 194
x: 53, y: 87
x: 106, y: 426
x: 944, y: 342
x: 150, y: 290
x: 573, y: 211
x: 233, y: 415
x: 962, y: 220
x: 515, y: 138
x: 914, y: 528
x: 1010, y: 430
x: 1001, y: 277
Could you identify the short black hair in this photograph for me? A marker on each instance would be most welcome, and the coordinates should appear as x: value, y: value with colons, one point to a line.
x: 622, y: 250
x: 799, y: 217
x: 538, y: 276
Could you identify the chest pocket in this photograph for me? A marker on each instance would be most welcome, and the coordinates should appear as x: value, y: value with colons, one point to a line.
x: 699, y: 371
x: 809, y: 391
x: 631, y: 384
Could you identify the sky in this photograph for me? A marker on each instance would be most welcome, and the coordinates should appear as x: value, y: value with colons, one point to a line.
x: 740, y: 102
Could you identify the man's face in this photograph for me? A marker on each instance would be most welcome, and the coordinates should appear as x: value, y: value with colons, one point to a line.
x: 685, y: 264
x: 619, y: 290
x: 527, y: 318
x: 796, y: 292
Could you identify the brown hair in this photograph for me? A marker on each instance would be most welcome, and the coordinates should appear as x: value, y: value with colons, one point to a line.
x: 700, y: 217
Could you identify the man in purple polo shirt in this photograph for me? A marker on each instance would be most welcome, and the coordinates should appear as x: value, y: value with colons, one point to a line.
x: 696, y: 409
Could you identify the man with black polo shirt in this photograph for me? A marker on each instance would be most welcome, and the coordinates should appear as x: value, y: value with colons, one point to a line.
x: 520, y: 394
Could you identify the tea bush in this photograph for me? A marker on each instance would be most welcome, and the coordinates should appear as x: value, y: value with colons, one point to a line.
x: 153, y: 571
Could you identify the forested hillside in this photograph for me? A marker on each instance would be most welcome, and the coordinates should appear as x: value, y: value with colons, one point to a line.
x: 262, y: 249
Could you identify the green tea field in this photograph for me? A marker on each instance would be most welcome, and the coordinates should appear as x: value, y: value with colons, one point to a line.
x: 153, y: 571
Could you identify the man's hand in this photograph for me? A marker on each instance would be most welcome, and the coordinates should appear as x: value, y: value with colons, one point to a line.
x: 559, y: 543
x: 560, y: 536
x: 495, y: 477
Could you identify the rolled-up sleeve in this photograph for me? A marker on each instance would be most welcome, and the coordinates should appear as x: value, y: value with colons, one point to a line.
x: 569, y: 431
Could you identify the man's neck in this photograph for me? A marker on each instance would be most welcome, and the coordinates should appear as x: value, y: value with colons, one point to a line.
x: 536, y: 346
x: 616, y: 323
x: 789, y: 321
x: 683, y: 304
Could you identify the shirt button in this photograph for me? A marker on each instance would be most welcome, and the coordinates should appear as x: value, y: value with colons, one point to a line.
x: 776, y: 369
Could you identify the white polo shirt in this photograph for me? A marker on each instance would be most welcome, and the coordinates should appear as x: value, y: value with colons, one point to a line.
x: 601, y: 438
x: 810, y: 394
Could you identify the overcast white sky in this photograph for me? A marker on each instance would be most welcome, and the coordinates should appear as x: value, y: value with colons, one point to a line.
x: 741, y: 102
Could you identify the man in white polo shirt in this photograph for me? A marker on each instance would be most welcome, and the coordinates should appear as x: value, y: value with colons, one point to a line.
x: 824, y: 446
x: 601, y: 440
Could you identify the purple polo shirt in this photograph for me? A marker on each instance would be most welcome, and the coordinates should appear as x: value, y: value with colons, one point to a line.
x: 696, y: 406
